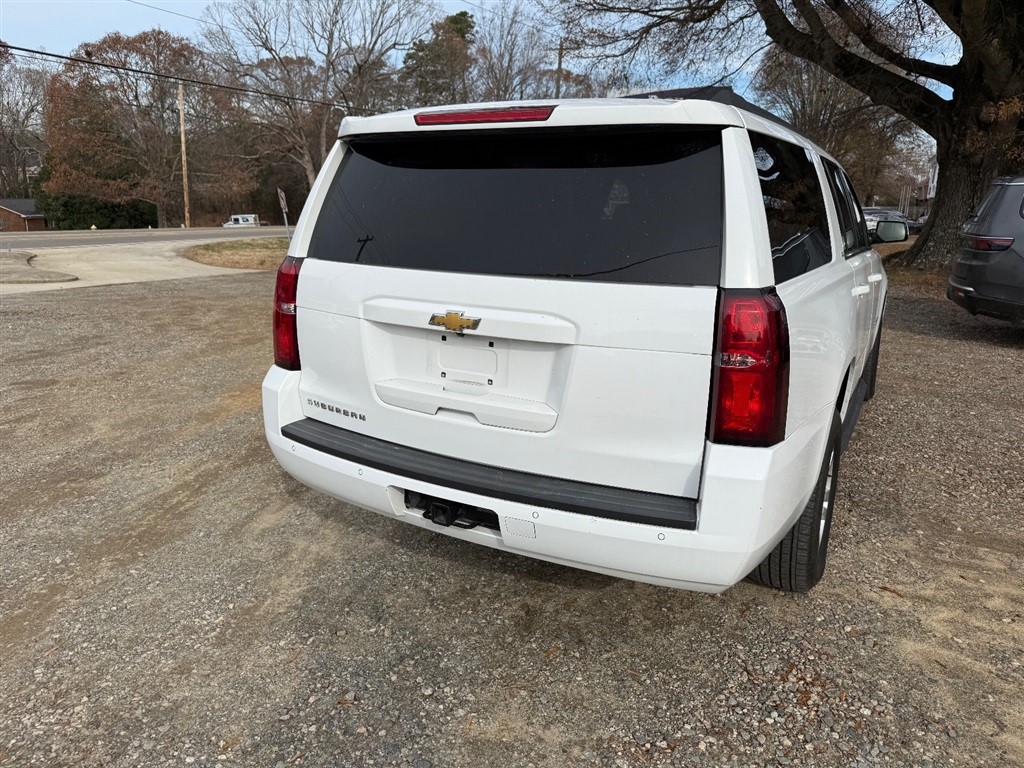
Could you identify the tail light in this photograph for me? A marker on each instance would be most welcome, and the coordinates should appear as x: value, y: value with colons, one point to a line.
x: 286, y: 337
x: 750, y: 386
x: 500, y: 115
x: 987, y: 243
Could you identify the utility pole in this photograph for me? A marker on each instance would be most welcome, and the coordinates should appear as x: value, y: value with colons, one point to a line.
x: 558, y: 69
x: 184, y: 156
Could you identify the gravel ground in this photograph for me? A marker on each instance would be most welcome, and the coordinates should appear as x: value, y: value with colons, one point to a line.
x: 170, y: 597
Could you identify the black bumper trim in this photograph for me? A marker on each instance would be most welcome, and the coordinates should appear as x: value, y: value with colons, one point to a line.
x: 959, y: 293
x: 521, y: 487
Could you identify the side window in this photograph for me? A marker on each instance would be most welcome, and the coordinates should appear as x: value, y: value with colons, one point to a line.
x: 851, y: 218
x: 794, y: 206
x: 847, y: 221
x: 986, y: 202
x: 863, y: 241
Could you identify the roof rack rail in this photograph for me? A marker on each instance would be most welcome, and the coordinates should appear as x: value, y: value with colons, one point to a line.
x: 721, y: 94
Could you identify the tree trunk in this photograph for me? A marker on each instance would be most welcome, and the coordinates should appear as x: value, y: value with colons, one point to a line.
x: 961, y: 184
x: 306, y: 161
x: 969, y: 159
x: 161, y: 215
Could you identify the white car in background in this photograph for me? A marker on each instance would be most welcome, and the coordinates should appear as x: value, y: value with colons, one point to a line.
x: 626, y: 336
x: 874, y: 215
x: 242, y: 220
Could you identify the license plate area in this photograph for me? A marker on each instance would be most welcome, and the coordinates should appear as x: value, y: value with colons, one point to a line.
x: 469, y: 359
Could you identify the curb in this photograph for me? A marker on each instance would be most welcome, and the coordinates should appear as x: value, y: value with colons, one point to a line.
x: 16, y: 267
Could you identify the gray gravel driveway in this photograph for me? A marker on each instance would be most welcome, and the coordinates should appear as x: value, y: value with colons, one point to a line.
x: 170, y: 597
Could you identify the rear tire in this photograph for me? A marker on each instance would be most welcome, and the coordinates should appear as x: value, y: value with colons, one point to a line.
x: 798, y: 561
x: 871, y: 369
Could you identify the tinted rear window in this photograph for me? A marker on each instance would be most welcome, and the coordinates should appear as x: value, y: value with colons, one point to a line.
x: 637, y: 205
x: 986, y: 207
x: 793, y: 205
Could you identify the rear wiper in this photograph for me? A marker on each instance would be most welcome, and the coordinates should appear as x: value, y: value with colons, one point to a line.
x: 362, y: 244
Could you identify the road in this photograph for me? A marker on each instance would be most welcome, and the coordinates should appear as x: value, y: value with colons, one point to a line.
x: 31, y: 241
x: 71, y: 261
x: 171, y: 597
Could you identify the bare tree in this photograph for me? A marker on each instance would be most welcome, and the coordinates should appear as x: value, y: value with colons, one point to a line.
x: 22, y: 137
x: 877, y: 146
x: 512, y: 55
x: 340, y: 54
x: 893, y: 53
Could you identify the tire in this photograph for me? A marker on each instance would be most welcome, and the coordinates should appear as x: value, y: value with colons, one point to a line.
x: 798, y: 561
x: 871, y: 369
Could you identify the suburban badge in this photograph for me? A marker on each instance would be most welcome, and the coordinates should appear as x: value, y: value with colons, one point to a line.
x: 455, y: 322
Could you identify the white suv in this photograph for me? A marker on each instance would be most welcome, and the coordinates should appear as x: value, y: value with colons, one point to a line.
x: 627, y: 336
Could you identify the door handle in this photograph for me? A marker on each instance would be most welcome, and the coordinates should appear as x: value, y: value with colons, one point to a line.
x: 860, y: 290
x: 877, y: 277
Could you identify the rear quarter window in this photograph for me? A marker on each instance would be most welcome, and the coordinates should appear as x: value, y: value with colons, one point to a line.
x: 987, y: 207
x: 793, y: 205
x: 639, y: 204
x: 1012, y: 209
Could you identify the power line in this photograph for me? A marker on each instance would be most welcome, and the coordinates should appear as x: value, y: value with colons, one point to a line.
x: 182, y: 15
x: 491, y: 11
x: 183, y: 80
x: 423, y: 3
x: 167, y: 10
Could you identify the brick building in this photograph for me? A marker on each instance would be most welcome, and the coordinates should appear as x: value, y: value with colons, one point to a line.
x: 20, y: 215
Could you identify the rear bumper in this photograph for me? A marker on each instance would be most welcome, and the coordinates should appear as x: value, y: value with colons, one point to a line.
x: 491, y: 482
x: 750, y: 498
x: 961, y: 294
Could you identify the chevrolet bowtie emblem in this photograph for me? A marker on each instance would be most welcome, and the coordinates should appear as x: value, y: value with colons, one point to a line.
x: 455, y: 322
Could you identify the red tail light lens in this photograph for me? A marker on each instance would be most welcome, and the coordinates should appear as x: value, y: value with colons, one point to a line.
x: 503, y: 115
x: 987, y: 243
x: 750, y: 387
x: 286, y: 337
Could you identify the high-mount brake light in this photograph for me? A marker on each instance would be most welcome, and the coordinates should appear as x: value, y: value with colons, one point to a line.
x: 750, y: 386
x: 975, y: 243
x: 472, y: 116
x: 286, y: 337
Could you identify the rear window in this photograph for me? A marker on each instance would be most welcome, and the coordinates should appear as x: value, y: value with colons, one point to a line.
x: 636, y: 205
x: 988, y: 205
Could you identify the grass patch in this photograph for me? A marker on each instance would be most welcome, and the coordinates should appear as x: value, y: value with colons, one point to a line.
x: 258, y: 253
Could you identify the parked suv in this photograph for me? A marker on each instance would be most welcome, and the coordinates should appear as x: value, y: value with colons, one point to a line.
x: 626, y: 336
x: 988, y: 274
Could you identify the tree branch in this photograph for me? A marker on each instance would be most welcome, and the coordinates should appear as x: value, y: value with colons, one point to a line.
x: 914, y: 101
x: 942, y: 73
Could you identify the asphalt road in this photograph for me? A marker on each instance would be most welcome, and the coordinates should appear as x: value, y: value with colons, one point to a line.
x: 31, y: 241
x: 171, y: 597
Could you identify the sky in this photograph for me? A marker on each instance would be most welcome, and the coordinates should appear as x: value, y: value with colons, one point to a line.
x: 59, y: 26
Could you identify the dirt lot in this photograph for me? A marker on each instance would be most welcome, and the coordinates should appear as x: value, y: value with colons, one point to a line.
x: 170, y: 597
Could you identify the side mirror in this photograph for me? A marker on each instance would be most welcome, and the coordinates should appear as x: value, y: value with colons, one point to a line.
x: 891, y: 232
